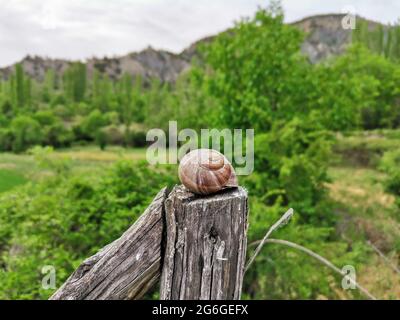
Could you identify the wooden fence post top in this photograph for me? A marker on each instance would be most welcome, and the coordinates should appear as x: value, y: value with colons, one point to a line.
x: 183, y: 194
x: 206, y: 245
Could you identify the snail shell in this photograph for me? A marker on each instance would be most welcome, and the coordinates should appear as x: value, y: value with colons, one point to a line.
x: 205, y: 171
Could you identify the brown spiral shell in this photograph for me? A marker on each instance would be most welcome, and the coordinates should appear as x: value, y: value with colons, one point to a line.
x: 206, y: 171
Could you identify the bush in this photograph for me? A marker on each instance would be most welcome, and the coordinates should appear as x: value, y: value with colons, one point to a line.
x: 290, y: 163
x: 26, y: 133
x: 64, y: 219
x: 6, y: 140
x: 390, y: 164
x: 92, y: 123
x: 137, y: 138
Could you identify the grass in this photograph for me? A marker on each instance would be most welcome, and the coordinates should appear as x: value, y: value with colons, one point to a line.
x: 365, y: 148
x: 18, y: 169
x: 10, y: 179
x: 366, y: 211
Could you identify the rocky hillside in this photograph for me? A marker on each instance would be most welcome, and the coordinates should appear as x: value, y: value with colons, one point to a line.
x: 325, y: 37
x: 148, y: 63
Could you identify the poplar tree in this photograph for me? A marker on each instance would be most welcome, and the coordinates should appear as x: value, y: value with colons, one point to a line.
x: 20, y: 85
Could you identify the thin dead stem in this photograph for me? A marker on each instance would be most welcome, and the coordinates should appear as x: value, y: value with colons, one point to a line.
x: 282, y: 221
x: 319, y: 258
x: 384, y: 258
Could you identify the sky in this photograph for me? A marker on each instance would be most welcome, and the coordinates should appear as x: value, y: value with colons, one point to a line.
x: 80, y: 29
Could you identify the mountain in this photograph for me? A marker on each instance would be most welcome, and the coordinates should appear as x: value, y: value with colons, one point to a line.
x: 148, y: 63
x: 325, y: 37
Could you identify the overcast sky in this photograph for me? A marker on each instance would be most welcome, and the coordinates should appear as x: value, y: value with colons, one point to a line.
x: 79, y: 29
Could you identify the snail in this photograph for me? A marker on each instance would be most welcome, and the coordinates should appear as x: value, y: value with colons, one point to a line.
x: 206, y: 171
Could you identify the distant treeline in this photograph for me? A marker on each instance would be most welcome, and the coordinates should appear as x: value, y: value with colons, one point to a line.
x: 380, y: 39
x: 359, y: 89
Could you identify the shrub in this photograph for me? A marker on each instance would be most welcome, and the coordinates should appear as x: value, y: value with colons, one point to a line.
x: 390, y: 164
x: 137, y: 138
x: 63, y: 219
x: 6, y: 140
x: 26, y: 133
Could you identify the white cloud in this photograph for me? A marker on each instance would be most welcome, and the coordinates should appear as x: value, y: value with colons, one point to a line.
x: 78, y: 29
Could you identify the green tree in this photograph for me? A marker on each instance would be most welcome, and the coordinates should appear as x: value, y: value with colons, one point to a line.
x: 257, y: 71
x: 369, y: 86
x: 75, y: 82
x: 93, y: 123
x: 20, y: 85
x: 26, y: 133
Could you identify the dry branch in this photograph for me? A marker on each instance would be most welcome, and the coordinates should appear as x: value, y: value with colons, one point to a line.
x: 383, y: 257
x: 320, y: 259
x: 282, y: 221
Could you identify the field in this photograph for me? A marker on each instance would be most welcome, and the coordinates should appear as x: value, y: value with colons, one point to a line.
x: 366, y: 211
x: 10, y: 179
x: 18, y: 169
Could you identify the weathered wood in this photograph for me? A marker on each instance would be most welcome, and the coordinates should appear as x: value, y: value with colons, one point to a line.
x: 206, y: 245
x: 126, y: 268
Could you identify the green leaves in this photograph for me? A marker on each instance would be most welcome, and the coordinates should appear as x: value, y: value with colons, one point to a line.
x: 60, y: 222
x: 256, y: 70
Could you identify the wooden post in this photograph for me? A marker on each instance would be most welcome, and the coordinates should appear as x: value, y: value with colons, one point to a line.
x: 126, y: 268
x: 206, y: 245
x: 202, y: 255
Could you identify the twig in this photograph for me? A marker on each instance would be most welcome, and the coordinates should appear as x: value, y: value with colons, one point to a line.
x: 282, y: 221
x: 319, y: 258
x: 386, y: 259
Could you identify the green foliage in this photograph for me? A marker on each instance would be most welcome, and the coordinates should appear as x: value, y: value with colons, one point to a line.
x: 93, y: 123
x: 75, y: 82
x: 390, y: 164
x: 370, y: 91
x: 26, y: 132
x: 383, y: 40
x: 101, y: 139
x: 6, y: 139
x: 291, y: 162
x: 62, y: 220
x: 10, y: 179
x: 257, y: 72
x: 44, y: 160
x: 19, y: 85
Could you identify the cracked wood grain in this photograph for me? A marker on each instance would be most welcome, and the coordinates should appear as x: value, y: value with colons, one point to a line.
x: 206, y: 245
x: 125, y: 269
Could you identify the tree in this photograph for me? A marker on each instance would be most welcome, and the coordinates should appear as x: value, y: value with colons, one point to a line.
x: 26, y: 133
x: 20, y: 85
x: 369, y: 91
x: 75, y: 82
x: 257, y: 71
x: 93, y: 123
x: 126, y: 104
